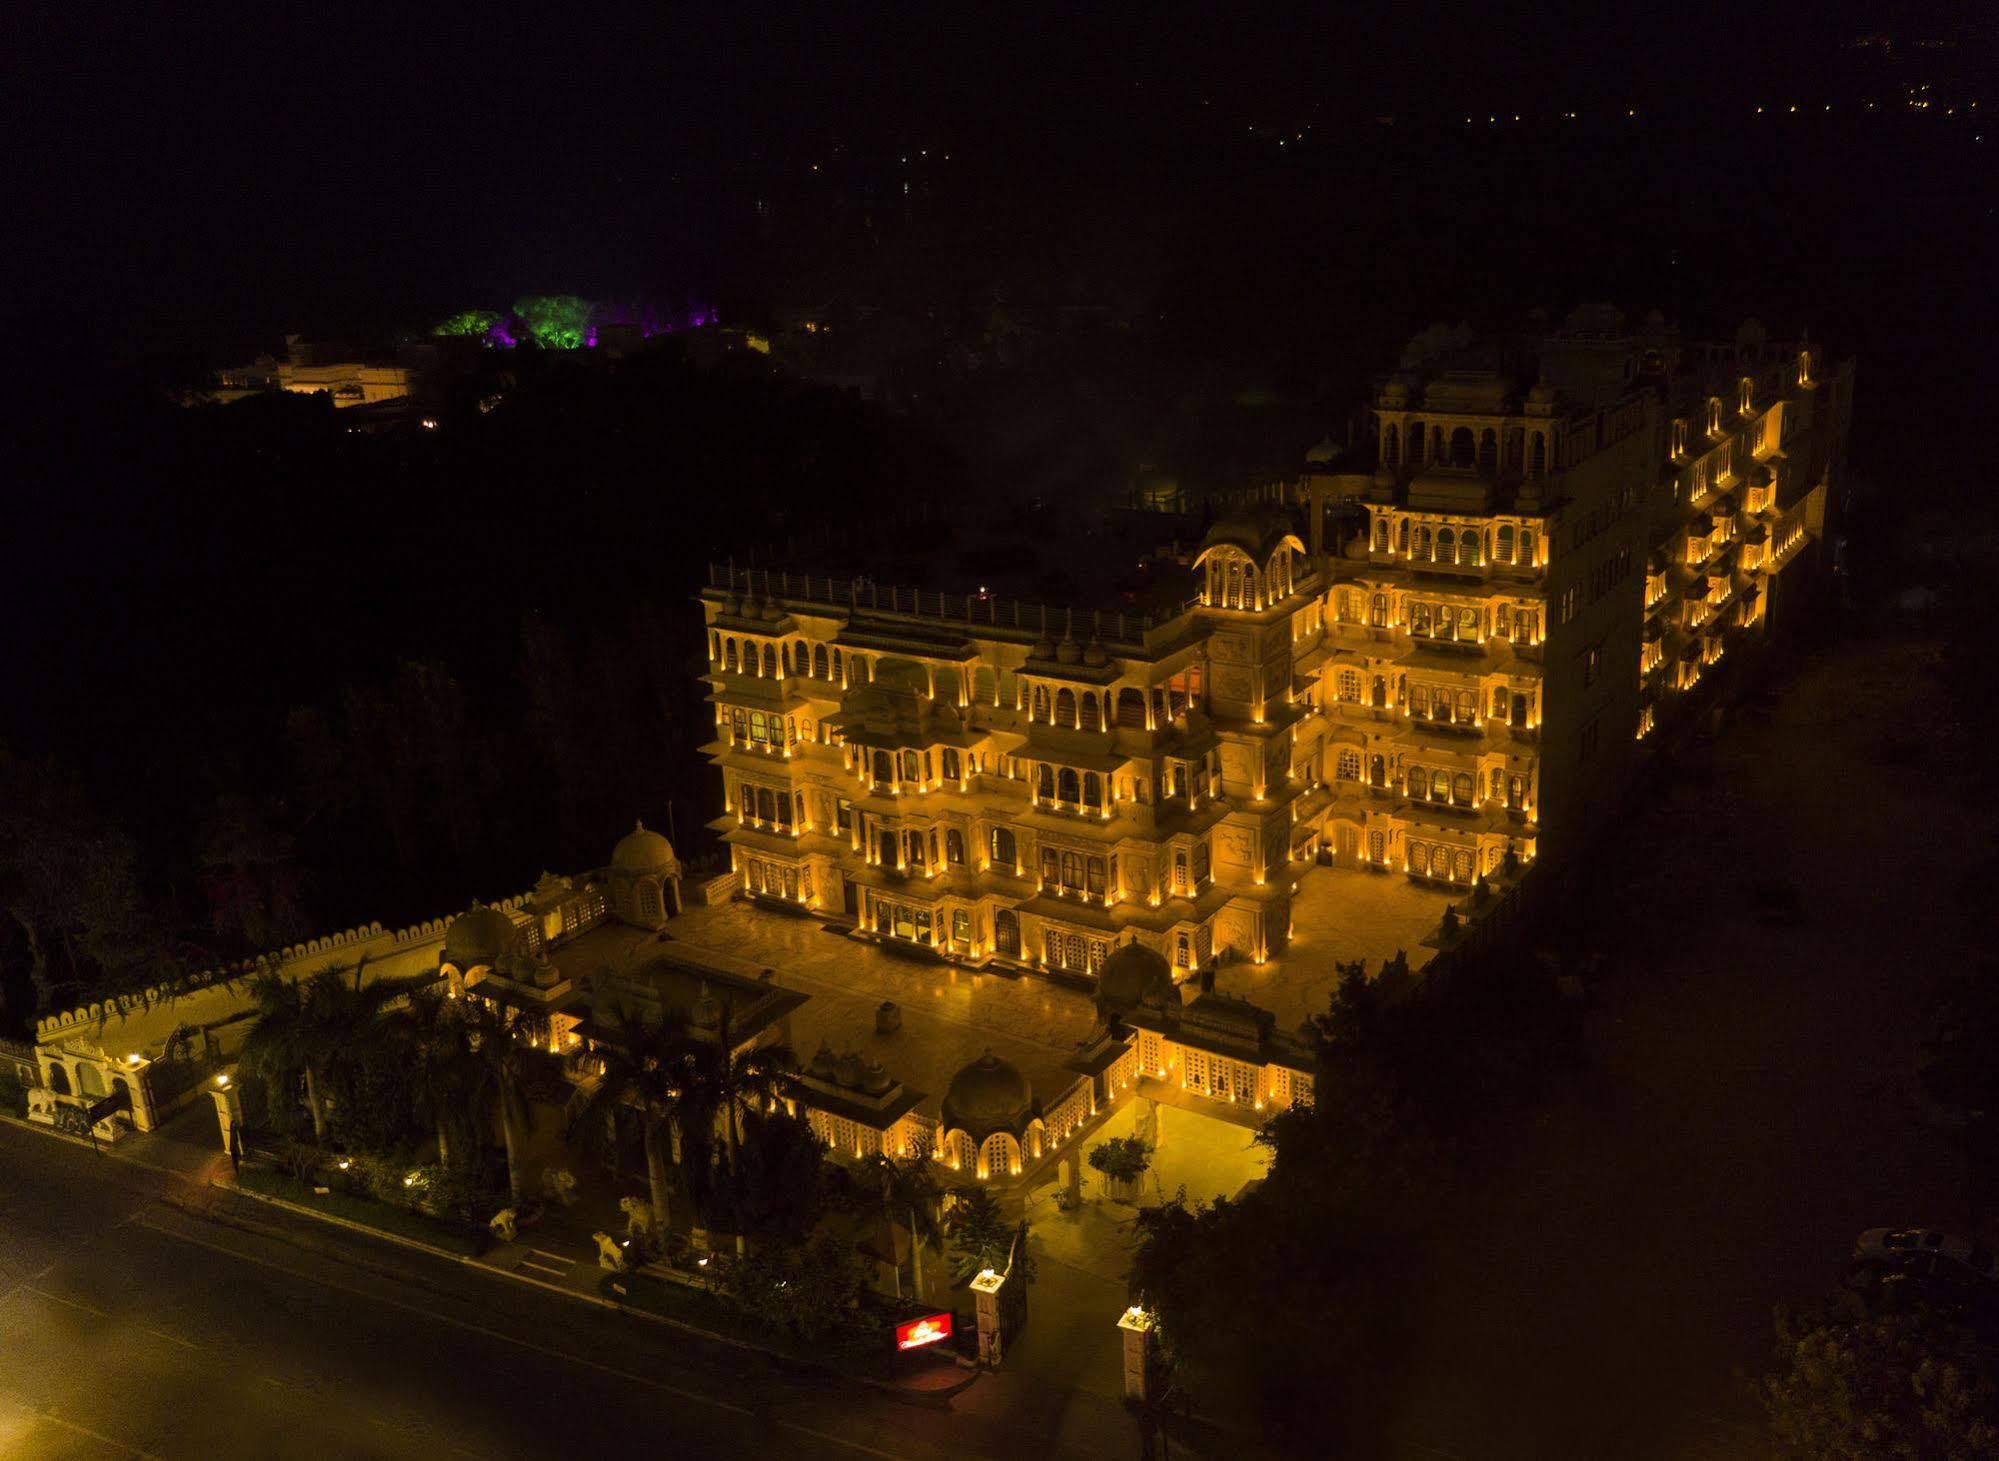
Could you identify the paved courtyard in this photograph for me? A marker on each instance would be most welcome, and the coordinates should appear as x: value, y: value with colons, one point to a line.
x: 950, y: 1016
x: 1205, y: 1156
x: 1338, y: 915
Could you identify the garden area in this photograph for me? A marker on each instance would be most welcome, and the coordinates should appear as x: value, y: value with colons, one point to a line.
x: 663, y: 1152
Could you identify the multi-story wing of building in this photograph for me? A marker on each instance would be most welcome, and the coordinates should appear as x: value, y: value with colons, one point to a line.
x: 1436, y: 658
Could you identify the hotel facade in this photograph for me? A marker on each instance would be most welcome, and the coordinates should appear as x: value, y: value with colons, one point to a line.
x: 1443, y: 652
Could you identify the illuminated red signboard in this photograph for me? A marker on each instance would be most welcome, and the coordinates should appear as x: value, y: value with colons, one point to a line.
x: 918, y: 1332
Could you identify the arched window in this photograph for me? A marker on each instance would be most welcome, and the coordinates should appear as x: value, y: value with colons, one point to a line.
x: 729, y: 654
x: 1538, y: 465
x: 1349, y: 764
x: 838, y: 672
x: 58, y: 1078
x: 912, y: 769
x: 1461, y: 865
x: 1505, y: 545
x: 1488, y: 450
x: 1468, y: 548
x: 1495, y: 786
x: 1423, y: 545
x: 1005, y: 852
x: 1182, y: 954
x: 1463, y: 453
x: 1180, y: 873
x: 1391, y: 446
x: 1040, y: 708
x: 1093, y: 789
x: 1499, y: 702
x: 1065, y: 706
x: 1347, y: 685
x: 1415, y: 443
x: 1377, y: 847
x: 1065, y: 785
x: 1377, y: 769
x: 1381, y: 535
x: 934, y: 859
x: 766, y: 804
x: 820, y: 667
x: 1713, y: 417
x: 1091, y: 717
x: 954, y: 845
x: 1419, y: 783
x: 1527, y: 547
x: 1131, y: 709
x: 1380, y: 696
x: 1447, y: 545
x: 1516, y: 792
x: 784, y: 657
x: 884, y: 767
x: 1440, y: 861
x: 1440, y: 786
x: 1513, y: 439
x: 914, y: 844
x: 1468, y: 623
x: 1419, y: 618
x: 1377, y: 611
x: 1402, y: 536
x: 1044, y: 781
x: 1463, y: 789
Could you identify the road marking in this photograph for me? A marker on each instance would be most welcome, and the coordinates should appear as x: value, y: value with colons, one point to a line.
x: 269, y: 1381
x: 173, y: 1339
x: 464, y: 1324
x: 84, y: 1430
x: 58, y: 1298
x: 528, y: 1344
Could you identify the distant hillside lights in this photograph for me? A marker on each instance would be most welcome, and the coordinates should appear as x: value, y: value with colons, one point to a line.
x: 569, y: 322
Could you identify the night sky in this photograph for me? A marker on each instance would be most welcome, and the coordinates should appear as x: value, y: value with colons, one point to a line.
x: 210, y: 175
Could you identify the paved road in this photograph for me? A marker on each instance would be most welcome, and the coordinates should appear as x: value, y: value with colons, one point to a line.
x: 134, y: 1324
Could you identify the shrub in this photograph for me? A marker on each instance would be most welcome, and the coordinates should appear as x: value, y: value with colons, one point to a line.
x: 1122, y: 1158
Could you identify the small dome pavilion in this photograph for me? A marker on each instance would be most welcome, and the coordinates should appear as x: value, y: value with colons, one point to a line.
x: 645, y: 878
x: 1134, y: 977
x: 480, y: 938
x: 990, y: 1123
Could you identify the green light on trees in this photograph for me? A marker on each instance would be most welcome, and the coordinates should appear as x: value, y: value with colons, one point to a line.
x: 468, y: 322
x: 556, y: 321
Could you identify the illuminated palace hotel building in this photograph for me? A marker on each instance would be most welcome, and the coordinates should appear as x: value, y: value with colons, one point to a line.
x: 1441, y: 653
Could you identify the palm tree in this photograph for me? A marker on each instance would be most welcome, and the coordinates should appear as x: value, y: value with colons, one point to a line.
x: 432, y: 1032
x: 284, y: 1040
x: 909, y: 1189
x: 502, y: 1044
x: 733, y: 1079
x: 654, y: 1067
x: 342, y: 1017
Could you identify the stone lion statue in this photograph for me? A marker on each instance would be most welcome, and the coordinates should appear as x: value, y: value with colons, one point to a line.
x: 505, y: 1224
x: 638, y: 1217
x: 610, y: 1252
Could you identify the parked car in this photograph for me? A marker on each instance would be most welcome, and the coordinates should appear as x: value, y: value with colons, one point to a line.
x: 1900, y: 1247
